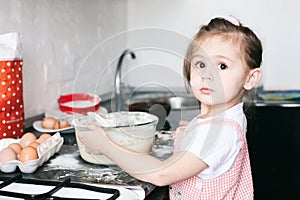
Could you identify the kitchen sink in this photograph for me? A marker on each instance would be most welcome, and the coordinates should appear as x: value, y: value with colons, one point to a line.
x: 182, y: 103
x: 177, y: 102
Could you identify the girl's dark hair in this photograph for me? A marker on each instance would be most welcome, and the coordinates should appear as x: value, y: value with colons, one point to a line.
x: 250, y: 45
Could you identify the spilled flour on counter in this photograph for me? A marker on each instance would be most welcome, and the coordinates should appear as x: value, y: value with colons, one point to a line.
x: 163, y: 146
x: 69, y: 164
x: 68, y: 161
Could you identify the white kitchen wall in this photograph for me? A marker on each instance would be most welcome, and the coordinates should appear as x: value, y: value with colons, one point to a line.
x: 275, y: 22
x: 66, y: 46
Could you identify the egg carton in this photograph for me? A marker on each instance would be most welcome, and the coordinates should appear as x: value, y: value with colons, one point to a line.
x: 45, y: 150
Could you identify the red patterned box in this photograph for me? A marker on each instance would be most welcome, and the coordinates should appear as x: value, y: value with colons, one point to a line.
x: 11, y: 99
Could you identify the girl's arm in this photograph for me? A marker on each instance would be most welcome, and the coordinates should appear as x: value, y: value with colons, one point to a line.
x: 144, y: 167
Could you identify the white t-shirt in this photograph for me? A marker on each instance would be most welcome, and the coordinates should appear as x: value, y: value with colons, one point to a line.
x: 216, y: 144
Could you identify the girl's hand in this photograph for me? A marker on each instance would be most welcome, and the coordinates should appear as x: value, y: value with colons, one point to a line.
x: 95, y: 140
x: 181, y: 127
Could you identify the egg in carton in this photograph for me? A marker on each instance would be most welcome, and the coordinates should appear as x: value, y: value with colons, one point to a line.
x: 45, y: 150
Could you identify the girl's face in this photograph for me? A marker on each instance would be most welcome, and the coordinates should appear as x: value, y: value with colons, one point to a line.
x: 218, y: 73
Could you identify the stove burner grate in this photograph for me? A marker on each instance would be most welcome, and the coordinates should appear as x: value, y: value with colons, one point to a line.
x: 57, y: 186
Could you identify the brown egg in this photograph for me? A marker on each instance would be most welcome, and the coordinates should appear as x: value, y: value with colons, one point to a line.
x: 34, y: 144
x: 7, y: 154
x: 16, y: 147
x: 45, y: 136
x: 40, y: 140
x: 64, y: 124
x: 27, y: 138
x: 28, y: 153
x: 48, y: 122
x: 56, y: 124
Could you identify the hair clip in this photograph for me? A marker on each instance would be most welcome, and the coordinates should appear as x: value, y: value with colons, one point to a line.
x: 232, y: 20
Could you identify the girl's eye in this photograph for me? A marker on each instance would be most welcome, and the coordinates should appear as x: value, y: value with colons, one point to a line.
x: 200, y: 65
x: 222, y: 66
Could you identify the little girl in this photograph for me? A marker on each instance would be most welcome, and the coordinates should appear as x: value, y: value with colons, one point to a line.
x: 210, y: 159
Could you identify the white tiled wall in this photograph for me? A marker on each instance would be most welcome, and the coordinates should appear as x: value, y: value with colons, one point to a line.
x: 68, y: 46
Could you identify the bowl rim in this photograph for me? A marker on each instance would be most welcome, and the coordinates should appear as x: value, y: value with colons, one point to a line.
x: 78, y: 97
x: 154, y: 119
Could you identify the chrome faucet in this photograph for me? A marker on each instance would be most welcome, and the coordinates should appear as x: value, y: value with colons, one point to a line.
x: 118, y: 94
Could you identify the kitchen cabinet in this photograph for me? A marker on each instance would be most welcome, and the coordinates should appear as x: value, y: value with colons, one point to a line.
x: 274, y: 146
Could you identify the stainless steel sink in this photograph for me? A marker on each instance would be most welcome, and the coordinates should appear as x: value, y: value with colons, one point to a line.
x: 183, y: 102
